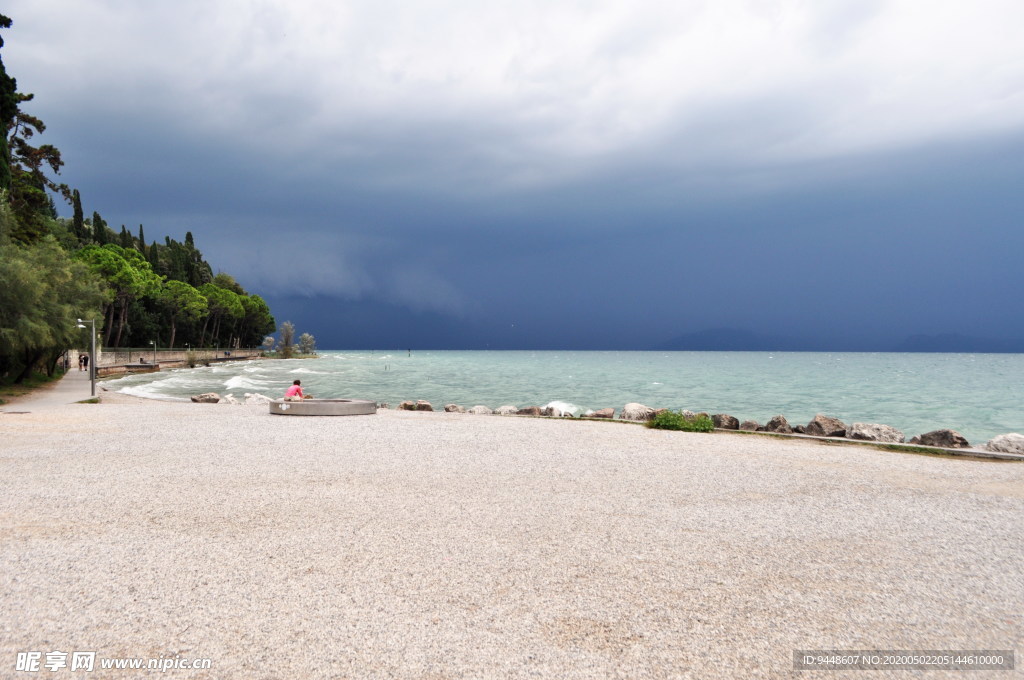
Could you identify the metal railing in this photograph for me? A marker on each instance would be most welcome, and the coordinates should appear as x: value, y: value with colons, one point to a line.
x: 134, y: 355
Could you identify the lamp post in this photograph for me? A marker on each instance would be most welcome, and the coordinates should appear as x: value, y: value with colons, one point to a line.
x: 153, y: 342
x: 92, y: 352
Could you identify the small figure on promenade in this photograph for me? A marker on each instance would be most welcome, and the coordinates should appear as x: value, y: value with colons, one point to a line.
x: 81, y: 362
x: 294, y: 392
x: 85, y: 361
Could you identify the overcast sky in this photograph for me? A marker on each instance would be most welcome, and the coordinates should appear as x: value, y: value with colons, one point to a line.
x: 556, y: 174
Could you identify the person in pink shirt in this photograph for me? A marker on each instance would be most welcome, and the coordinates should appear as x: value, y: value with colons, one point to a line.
x: 295, y: 391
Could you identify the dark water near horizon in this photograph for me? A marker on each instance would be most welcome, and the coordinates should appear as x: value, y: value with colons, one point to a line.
x: 980, y: 395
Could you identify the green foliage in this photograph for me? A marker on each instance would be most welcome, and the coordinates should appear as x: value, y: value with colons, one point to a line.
x: 181, y: 301
x: 53, y: 270
x: 100, y: 233
x: 44, y: 292
x: 25, y: 166
x: 128, y: 277
x: 227, y: 282
x: 6, y: 218
x: 670, y: 420
x: 224, y: 305
x: 8, y: 111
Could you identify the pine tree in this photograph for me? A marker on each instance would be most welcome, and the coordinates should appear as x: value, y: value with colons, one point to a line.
x: 8, y: 111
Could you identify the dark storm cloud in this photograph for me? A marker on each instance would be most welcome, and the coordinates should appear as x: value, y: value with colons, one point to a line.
x: 653, y: 172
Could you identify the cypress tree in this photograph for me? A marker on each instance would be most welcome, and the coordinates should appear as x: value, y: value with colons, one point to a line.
x: 142, y: 241
x: 78, y: 220
x: 99, y: 229
x: 126, y: 239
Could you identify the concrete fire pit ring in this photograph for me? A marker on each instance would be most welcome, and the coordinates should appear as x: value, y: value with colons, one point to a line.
x: 323, y: 407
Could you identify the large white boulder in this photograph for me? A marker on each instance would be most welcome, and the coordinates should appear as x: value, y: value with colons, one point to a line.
x: 635, y: 411
x: 872, y: 432
x: 1007, y: 443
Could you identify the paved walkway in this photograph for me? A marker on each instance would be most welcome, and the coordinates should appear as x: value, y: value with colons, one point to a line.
x: 70, y: 389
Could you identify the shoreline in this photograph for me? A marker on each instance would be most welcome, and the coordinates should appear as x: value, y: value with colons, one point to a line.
x: 862, y: 388
x: 975, y: 453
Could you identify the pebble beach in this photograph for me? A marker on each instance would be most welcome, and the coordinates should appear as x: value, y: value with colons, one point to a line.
x: 436, y: 545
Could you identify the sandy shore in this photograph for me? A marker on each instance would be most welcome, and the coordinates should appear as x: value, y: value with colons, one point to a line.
x: 431, y: 545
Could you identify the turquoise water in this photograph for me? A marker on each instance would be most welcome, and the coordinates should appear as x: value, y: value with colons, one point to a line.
x: 980, y: 395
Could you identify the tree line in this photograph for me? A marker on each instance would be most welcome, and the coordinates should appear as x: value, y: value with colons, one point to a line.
x: 54, y: 270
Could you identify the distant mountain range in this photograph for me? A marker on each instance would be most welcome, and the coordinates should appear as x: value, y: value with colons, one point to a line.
x: 954, y: 342
x: 741, y: 340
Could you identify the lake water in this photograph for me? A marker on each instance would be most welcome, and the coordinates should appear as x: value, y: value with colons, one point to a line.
x: 980, y: 395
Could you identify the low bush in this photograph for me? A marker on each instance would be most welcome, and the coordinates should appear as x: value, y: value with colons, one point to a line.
x: 670, y: 420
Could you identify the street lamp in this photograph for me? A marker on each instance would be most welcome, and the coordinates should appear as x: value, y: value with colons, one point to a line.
x: 92, y: 352
x: 153, y: 342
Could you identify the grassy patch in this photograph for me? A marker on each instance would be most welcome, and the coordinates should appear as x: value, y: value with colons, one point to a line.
x: 670, y: 420
x: 9, y: 390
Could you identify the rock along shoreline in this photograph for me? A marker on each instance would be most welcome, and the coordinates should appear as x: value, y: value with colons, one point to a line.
x: 1008, y: 446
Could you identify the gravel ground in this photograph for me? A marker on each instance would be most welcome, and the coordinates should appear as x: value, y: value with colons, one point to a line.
x: 432, y: 545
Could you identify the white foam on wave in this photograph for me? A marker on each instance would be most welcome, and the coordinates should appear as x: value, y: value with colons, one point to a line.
x: 157, y: 386
x: 147, y: 392
x: 181, y: 380
x: 565, y: 407
x: 241, y: 382
x: 308, y: 371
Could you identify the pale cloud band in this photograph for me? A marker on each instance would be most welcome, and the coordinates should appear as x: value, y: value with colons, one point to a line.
x: 544, y: 83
